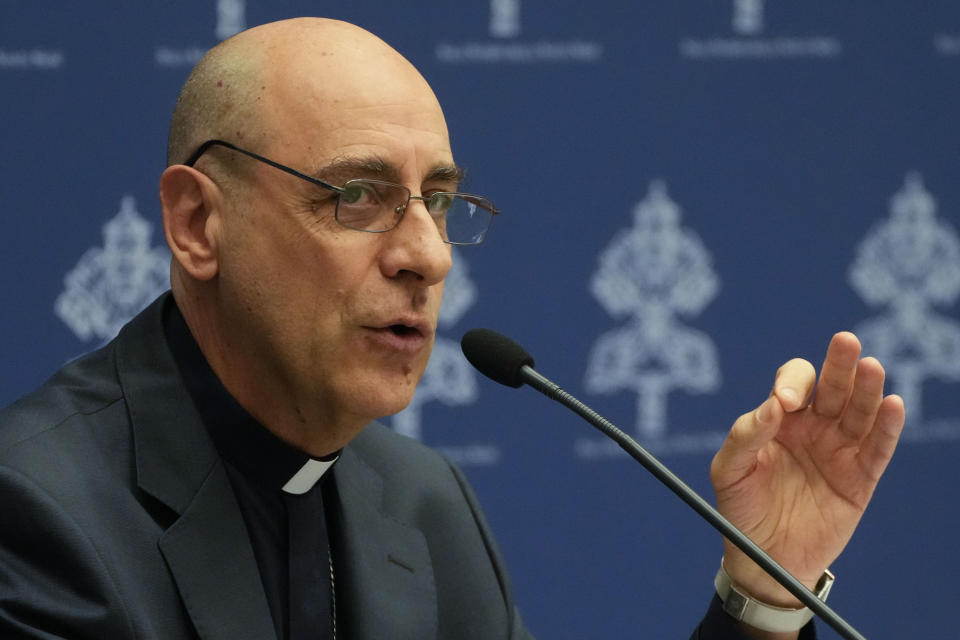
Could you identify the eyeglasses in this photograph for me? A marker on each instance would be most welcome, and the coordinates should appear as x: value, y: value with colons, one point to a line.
x: 376, y: 206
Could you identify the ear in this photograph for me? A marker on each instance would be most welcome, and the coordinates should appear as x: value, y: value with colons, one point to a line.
x: 191, y: 205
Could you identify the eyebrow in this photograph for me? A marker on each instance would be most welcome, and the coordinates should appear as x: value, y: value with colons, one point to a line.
x: 447, y: 173
x: 348, y: 168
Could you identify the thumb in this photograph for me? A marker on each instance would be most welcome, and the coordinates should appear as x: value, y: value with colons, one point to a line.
x: 749, y: 434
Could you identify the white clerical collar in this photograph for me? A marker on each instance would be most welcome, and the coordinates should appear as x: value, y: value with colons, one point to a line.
x: 308, y: 475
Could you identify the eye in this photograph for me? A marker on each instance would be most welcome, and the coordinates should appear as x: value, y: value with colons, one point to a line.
x: 370, y: 205
x: 440, y: 203
x: 359, y: 194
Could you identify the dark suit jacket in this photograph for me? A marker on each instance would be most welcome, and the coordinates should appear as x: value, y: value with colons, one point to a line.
x: 118, y: 520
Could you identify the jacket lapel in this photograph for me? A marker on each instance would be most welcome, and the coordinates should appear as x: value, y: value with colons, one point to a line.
x: 207, y: 548
x: 210, y: 557
x: 390, y: 590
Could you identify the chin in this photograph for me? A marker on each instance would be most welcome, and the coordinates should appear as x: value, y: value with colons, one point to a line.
x: 374, y: 389
x: 377, y: 404
x: 397, y: 406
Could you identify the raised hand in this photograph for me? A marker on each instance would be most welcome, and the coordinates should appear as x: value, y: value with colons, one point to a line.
x: 796, y: 475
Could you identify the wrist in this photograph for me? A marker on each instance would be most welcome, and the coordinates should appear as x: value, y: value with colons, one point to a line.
x: 742, y: 606
x: 751, y: 578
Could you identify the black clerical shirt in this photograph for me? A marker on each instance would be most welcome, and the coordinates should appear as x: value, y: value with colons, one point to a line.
x: 281, y: 493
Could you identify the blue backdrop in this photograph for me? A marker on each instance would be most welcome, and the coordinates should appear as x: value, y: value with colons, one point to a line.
x: 693, y: 192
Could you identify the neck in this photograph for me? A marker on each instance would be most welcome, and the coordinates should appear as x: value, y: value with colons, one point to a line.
x: 259, y: 388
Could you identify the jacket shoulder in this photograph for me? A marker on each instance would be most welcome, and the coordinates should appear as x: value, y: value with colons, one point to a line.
x: 82, y: 387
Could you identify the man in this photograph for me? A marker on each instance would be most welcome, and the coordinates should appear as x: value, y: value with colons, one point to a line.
x: 214, y: 473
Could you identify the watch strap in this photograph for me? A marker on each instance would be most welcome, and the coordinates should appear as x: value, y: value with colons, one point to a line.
x: 741, y: 606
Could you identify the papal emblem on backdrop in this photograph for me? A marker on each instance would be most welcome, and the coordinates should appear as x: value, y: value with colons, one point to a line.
x: 748, y: 36
x: 231, y: 18
x: 112, y: 283
x: 906, y: 268
x: 509, y: 42
x: 504, y: 18
x: 748, y: 17
x: 653, y: 276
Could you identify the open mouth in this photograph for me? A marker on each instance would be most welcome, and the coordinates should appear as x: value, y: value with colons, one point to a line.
x: 403, y: 330
x: 401, y: 337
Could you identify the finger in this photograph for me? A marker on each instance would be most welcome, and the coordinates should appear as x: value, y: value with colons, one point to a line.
x: 794, y: 384
x: 877, y: 449
x: 861, y: 411
x: 751, y: 431
x: 837, y: 375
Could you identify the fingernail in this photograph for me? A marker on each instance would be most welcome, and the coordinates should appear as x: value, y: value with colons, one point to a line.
x: 765, y: 412
x: 791, y: 396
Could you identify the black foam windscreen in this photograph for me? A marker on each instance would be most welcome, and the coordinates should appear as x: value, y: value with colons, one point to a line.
x: 496, y: 356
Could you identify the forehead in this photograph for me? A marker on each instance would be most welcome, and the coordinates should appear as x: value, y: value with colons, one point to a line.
x: 380, y: 108
x: 340, y: 170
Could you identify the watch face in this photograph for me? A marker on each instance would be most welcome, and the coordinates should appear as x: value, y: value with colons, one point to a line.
x: 823, y: 585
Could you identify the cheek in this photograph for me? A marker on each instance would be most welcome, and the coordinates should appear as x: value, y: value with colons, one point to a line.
x: 328, y: 292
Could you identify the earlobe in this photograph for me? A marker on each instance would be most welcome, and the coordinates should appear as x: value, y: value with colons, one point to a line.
x: 190, y: 203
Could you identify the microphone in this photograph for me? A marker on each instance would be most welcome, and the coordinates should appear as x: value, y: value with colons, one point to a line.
x: 496, y: 356
x: 503, y: 360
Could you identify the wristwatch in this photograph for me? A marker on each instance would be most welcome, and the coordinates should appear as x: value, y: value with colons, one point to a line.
x: 740, y: 606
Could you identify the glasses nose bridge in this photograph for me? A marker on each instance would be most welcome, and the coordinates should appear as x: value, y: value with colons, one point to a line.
x: 401, y: 209
x: 424, y: 199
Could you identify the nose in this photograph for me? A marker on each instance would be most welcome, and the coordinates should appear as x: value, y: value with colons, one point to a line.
x: 415, y: 248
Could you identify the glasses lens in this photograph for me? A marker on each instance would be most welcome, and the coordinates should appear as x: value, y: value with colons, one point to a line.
x: 371, y: 205
x: 467, y: 217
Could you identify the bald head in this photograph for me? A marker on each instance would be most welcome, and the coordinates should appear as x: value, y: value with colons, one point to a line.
x: 303, y: 68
